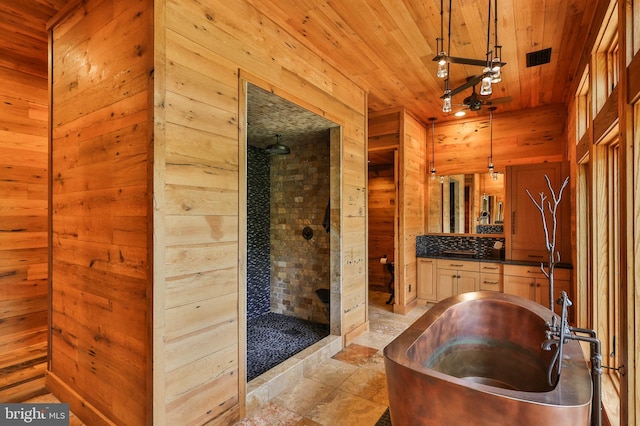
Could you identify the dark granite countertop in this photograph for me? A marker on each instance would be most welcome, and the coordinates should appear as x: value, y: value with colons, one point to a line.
x: 563, y: 265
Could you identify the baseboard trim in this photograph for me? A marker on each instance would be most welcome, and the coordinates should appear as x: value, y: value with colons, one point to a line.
x: 355, y: 333
x: 82, y: 408
x: 404, y: 309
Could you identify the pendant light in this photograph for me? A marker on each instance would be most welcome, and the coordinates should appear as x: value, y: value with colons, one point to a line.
x: 485, y: 86
x: 432, y: 163
x: 492, y: 172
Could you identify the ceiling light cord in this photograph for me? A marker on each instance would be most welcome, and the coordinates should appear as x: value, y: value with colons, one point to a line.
x: 492, y: 173
x: 433, y: 149
x: 496, y: 76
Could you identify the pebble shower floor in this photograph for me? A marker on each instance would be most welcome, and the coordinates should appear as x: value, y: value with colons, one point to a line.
x: 273, y: 338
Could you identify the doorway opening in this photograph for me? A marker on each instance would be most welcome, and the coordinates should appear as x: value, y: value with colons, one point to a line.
x: 289, y: 240
x: 382, y: 214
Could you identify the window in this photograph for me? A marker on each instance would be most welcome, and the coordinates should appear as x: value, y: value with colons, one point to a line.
x: 607, y: 59
x: 583, y: 117
x: 606, y: 250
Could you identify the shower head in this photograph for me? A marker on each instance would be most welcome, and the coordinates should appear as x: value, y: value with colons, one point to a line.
x: 277, y: 148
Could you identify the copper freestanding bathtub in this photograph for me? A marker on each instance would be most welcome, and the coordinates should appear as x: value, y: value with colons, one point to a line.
x: 475, y: 359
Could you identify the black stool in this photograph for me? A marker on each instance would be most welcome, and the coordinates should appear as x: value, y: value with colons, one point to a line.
x: 391, y: 269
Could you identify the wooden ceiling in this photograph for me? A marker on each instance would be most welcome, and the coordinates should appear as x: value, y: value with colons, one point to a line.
x: 387, y: 46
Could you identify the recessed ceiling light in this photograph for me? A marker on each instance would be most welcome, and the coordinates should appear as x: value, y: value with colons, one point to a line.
x: 460, y: 113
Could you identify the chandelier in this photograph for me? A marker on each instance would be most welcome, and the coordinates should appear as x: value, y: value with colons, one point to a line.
x: 491, y: 65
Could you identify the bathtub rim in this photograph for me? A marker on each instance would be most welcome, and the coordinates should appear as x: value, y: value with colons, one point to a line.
x: 569, y: 391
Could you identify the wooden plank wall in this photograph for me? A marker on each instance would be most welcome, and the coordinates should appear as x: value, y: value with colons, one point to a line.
x: 413, y: 166
x: 23, y: 199
x: 523, y: 137
x: 102, y: 71
x: 199, y: 138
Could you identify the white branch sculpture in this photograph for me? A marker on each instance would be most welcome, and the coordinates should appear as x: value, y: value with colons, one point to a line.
x: 550, y: 237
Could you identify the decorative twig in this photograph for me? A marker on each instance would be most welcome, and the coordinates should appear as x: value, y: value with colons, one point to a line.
x: 550, y: 239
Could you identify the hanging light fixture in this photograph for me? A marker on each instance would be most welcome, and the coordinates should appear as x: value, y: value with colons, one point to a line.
x: 492, y: 172
x: 443, y: 64
x: 277, y: 148
x: 491, y: 65
x: 485, y: 86
x: 432, y: 163
x: 446, y: 101
x: 496, y: 74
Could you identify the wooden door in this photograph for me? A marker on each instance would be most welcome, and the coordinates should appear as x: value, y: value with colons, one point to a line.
x: 526, y: 234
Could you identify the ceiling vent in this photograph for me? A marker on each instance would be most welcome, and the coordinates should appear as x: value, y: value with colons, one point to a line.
x: 538, y: 57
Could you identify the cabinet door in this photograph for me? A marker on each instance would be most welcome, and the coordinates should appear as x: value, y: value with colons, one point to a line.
x: 542, y: 292
x: 445, y: 280
x: 520, y: 286
x: 524, y: 224
x: 426, y: 279
x: 467, y: 281
x: 558, y: 286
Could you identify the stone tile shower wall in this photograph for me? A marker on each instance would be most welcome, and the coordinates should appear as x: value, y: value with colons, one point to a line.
x: 258, y: 240
x: 299, y: 197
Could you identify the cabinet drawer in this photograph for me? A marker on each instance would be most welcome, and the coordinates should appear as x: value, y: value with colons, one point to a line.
x: 534, y: 271
x: 458, y: 265
x: 530, y: 255
x: 490, y: 268
x: 491, y: 282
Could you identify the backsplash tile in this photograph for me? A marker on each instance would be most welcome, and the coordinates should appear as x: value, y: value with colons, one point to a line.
x: 435, y: 245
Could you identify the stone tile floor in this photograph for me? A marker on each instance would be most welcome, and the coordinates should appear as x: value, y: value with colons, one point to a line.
x: 347, y: 389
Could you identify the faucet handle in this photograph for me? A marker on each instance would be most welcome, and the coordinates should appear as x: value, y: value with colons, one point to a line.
x: 564, y: 300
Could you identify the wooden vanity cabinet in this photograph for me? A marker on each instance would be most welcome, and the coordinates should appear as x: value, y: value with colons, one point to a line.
x: 427, y: 280
x: 529, y: 282
x: 456, y: 276
x: 441, y: 278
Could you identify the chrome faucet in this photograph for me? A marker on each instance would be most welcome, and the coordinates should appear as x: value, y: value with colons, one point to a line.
x: 560, y: 333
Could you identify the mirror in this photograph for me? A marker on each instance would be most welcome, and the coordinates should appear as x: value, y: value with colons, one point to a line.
x: 466, y: 204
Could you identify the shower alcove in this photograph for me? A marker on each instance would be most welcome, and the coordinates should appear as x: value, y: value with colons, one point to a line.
x: 288, y: 230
